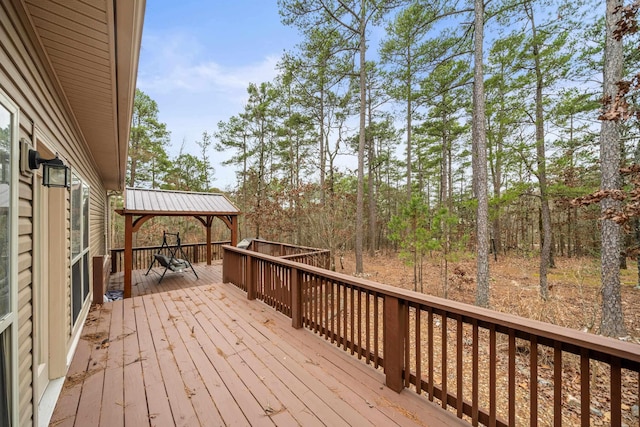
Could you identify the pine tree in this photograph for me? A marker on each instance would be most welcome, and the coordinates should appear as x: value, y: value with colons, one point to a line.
x: 148, y: 160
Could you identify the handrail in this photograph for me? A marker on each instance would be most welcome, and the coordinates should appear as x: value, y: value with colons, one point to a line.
x: 280, y: 249
x: 445, y: 349
x: 143, y: 255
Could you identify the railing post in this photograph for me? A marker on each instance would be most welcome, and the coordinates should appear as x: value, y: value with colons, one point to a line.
x: 394, y: 329
x: 113, y: 261
x: 296, y: 299
x: 250, y: 278
x: 128, y: 255
x: 226, y: 263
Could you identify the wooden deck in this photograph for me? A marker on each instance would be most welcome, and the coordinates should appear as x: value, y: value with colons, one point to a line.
x: 199, y: 353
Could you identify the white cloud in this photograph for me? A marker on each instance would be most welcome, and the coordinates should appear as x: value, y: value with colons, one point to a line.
x: 180, y: 63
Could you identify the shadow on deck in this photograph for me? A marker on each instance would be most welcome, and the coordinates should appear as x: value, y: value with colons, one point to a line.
x: 142, y: 284
x: 193, y: 351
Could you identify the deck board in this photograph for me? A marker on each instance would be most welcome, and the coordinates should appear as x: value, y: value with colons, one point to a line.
x: 112, y: 412
x: 276, y: 378
x: 179, y: 399
x: 157, y: 401
x: 197, y: 352
x: 134, y: 392
x: 67, y: 405
x: 92, y: 379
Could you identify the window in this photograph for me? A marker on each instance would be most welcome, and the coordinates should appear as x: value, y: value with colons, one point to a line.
x: 79, y: 245
x: 5, y: 208
x: 8, y: 252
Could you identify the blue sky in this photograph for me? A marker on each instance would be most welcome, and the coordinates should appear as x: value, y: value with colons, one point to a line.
x: 197, y: 59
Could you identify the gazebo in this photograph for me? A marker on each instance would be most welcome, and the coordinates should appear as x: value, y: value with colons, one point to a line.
x: 140, y: 205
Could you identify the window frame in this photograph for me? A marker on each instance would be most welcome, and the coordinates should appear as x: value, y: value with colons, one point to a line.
x: 9, y: 322
x: 82, y: 256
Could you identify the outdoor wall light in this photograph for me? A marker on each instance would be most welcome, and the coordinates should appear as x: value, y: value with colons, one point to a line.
x: 54, y: 173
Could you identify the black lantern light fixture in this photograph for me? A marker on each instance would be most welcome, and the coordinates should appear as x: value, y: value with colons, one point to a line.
x: 54, y: 173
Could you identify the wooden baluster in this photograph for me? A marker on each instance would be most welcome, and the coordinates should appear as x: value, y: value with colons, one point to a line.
x: 345, y: 321
x: 250, y: 277
x: 616, y: 392
x: 338, y: 314
x: 430, y: 352
x: 407, y: 348
x: 512, y: 377
x: 418, y: 345
x: 368, y: 326
x: 333, y: 311
x: 474, y: 373
x: 533, y: 382
x: 352, y: 321
x: 459, y: 366
x: 557, y: 384
x: 296, y: 299
x: 444, y: 355
x: 492, y: 375
x: 325, y: 320
x: 359, y: 319
x: 376, y: 337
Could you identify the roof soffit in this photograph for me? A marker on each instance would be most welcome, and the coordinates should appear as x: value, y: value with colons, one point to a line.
x: 92, y: 47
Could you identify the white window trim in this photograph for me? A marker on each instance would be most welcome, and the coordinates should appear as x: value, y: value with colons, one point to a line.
x: 76, y: 323
x: 10, y: 322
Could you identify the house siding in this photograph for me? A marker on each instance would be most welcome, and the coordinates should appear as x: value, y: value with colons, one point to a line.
x: 24, y: 79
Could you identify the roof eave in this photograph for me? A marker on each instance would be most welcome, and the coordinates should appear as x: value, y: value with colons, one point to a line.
x: 129, y: 20
x: 175, y: 213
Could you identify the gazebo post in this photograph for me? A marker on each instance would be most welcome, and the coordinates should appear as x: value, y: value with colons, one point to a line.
x: 234, y: 230
x: 208, y: 224
x: 128, y: 254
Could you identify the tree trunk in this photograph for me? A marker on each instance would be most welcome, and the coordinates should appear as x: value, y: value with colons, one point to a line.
x: 612, y: 323
x: 545, y: 213
x: 480, y: 160
x: 444, y: 180
x: 132, y: 171
x: 637, y: 232
x: 409, y: 142
x: 323, y: 156
x: 244, y: 182
x: 373, y: 229
x: 361, y: 143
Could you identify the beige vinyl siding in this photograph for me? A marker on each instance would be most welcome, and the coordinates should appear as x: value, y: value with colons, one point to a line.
x: 97, y: 215
x: 25, y: 299
x: 25, y: 78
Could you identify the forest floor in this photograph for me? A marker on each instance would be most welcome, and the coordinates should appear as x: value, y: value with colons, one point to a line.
x: 574, y: 287
x: 574, y: 303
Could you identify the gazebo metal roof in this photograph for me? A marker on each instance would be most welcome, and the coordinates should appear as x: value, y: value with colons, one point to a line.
x: 170, y: 202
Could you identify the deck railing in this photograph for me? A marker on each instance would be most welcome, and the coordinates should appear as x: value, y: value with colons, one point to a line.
x: 306, y: 255
x: 312, y: 256
x: 143, y: 256
x: 487, y: 367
